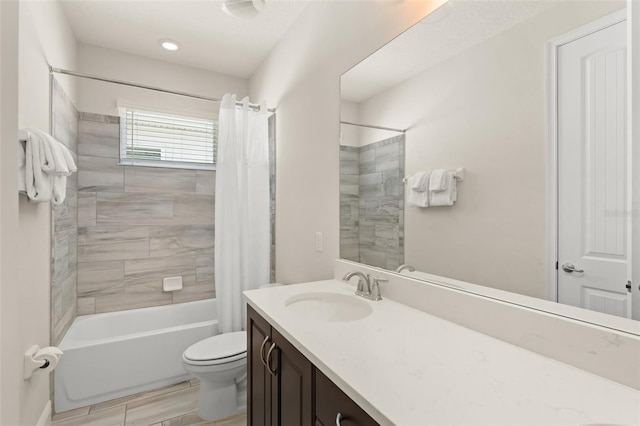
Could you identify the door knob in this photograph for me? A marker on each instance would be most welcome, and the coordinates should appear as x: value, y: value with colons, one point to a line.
x: 568, y: 267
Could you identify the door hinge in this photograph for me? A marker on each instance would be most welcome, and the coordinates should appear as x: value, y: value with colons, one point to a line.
x: 628, y: 286
x: 556, y: 265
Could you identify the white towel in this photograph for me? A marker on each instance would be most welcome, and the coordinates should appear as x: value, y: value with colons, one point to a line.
x: 419, y: 182
x: 446, y: 197
x: 438, y: 180
x: 22, y: 164
x: 47, y: 165
x: 418, y: 197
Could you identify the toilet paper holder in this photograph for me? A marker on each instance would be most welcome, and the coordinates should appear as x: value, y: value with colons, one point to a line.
x: 36, y: 358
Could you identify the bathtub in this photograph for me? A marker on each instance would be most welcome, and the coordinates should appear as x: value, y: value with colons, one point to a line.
x: 115, y: 354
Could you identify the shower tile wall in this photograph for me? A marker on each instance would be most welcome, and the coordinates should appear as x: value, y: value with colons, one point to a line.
x: 137, y: 225
x: 64, y: 219
x: 371, y: 179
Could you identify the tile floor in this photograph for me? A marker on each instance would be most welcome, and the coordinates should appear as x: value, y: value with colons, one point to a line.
x: 174, y: 405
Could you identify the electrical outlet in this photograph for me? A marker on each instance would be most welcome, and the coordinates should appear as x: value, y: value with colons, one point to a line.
x: 319, y: 242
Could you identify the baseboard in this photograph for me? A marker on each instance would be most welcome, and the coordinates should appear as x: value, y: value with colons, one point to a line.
x: 45, y: 417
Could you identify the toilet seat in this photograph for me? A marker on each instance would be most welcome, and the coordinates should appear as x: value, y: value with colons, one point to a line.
x: 220, y: 349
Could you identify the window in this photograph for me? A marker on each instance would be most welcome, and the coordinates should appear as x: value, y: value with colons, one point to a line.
x: 167, y: 140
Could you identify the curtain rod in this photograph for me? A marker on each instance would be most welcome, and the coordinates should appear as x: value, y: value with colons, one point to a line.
x: 144, y: 86
x: 374, y: 127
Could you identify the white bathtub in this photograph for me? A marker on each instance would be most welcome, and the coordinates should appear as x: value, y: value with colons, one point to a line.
x: 115, y: 354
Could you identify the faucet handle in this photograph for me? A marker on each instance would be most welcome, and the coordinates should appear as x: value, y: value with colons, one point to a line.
x: 375, y: 287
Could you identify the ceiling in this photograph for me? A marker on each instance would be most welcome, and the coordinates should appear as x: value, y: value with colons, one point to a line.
x: 452, y: 28
x: 209, y: 38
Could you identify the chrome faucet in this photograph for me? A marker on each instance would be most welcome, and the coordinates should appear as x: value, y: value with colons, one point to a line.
x: 365, y: 288
x: 364, y: 285
x: 403, y: 267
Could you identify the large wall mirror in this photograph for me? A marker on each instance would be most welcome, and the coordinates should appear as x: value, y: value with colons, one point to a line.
x: 488, y: 147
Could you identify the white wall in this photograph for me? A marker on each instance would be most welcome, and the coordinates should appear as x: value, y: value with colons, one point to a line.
x: 484, y: 110
x: 44, y: 38
x: 301, y: 78
x: 10, y: 292
x: 102, y: 98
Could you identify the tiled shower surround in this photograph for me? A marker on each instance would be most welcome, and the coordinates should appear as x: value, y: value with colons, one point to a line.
x: 64, y: 218
x: 137, y: 225
x: 372, y: 203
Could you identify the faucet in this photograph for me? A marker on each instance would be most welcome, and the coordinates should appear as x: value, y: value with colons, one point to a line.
x: 365, y: 288
x: 363, y: 280
x: 403, y: 267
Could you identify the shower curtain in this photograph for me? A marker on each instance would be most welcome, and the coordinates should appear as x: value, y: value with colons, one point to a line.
x: 242, y: 216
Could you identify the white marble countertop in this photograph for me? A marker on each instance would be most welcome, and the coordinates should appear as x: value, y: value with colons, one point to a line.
x: 406, y: 367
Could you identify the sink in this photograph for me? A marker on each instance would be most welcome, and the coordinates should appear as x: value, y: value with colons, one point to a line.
x: 329, y: 307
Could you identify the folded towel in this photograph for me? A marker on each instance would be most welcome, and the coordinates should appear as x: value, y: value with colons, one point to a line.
x: 47, y: 165
x: 418, y: 197
x: 22, y: 164
x: 438, y: 180
x: 419, y: 181
x: 446, y: 197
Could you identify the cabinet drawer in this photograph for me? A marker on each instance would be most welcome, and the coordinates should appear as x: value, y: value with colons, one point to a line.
x: 330, y: 401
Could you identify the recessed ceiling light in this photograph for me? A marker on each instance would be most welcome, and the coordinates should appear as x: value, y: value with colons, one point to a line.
x: 169, y: 44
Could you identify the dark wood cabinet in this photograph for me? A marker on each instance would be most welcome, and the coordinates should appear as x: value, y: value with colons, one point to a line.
x: 285, y: 389
x: 334, y: 406
x: 280, y: 381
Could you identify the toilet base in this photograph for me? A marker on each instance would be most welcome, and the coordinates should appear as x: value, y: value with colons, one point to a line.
x: 217, y: 402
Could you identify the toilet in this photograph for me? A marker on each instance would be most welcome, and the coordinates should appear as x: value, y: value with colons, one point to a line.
x: 220, y: 362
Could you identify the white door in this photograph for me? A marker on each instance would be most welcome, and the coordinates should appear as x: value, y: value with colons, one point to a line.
x: 593, y: 202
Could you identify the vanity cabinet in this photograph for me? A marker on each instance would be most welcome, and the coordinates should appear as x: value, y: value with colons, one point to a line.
x: 280, y: 382
x: 285, y: 389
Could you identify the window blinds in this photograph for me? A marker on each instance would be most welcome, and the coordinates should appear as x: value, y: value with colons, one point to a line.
x: 167, y: 140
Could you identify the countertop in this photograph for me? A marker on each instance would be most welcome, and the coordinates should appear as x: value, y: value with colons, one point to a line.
x: 407, y: 367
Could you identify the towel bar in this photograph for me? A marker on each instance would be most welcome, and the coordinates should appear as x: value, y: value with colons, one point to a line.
x: 458, y: 174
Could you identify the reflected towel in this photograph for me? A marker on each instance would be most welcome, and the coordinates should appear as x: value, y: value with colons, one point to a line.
x: 418, y: 197
x: 438, y: 180
x: 446, y: 197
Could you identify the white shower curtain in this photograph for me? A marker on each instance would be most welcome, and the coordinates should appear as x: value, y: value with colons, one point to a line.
x: 242, y: 221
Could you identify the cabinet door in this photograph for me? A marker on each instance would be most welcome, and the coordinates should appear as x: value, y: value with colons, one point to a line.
x: 292, y: 385
x: 330, y: 401
x: 259, y: 379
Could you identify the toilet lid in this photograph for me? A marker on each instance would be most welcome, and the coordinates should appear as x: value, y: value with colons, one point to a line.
x: 219, y: 347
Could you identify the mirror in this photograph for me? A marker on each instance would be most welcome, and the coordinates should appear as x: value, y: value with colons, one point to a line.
x: 507, y: 119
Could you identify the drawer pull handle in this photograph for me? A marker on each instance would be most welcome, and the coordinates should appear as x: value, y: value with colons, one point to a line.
x: 268, y: 364
x: 339, y: 419
x: 264, y: 343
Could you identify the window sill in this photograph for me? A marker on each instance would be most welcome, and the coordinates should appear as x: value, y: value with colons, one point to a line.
x: 168, y: 165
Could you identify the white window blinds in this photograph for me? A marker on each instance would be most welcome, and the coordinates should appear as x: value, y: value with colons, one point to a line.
x: 167, y: 140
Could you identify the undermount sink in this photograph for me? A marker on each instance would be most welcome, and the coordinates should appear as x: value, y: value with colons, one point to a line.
x: 329, y: 307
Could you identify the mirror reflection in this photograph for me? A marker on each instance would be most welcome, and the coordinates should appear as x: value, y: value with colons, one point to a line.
x: 489, y: 142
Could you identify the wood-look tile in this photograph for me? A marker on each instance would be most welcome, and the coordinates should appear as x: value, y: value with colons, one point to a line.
x: 237, y: 420
x: 112, y: 243
x: 131, y: 300
x: 139, y: 396
x: 194, y: 382
x: 205, y: 182
x: 70, y: 414
x: 86, y: 305
x: 111, y: 417
x: 191, y: 419
x: 180, y: 240
x: 196, y: 292
x: 150, y: 272
x: 100, y: 278
x: 162, y: 407
x: 159, y: 180
x: 86, y: 209
x: 134, y: 209
x: 99, y: 139
x: 99, y: 174
x: 192, y: 209
x: 205, y: 270
x: 62, y: 325
x: 100, y: 118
